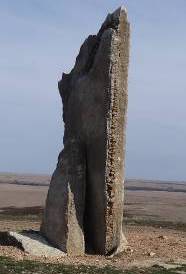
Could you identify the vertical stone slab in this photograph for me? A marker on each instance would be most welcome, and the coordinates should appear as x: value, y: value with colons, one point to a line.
x: 63, y: 216
x: 116, y: 134
x: 85, y: 201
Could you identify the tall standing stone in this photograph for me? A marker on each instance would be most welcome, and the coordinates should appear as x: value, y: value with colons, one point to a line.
x: 84, y: 207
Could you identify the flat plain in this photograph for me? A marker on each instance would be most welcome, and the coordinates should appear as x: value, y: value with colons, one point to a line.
x: 154, y: 220
x: 144, y: 199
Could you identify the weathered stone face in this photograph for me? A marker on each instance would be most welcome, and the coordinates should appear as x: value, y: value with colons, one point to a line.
x: 84, y: 206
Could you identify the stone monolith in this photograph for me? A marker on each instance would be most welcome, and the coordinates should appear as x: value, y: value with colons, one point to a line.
x: 84, y: 207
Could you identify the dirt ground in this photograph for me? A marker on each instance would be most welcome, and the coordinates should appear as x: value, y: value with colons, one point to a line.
x: 22, y: 201
x: 19, y: 196
x: 156, y: 205
x: 145, y: 244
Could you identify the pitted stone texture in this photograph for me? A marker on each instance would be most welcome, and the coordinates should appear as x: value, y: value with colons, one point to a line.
x: 84, y: 207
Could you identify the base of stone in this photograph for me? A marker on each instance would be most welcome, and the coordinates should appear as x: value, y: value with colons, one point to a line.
x: 30, y: 242
x: 123, y: 245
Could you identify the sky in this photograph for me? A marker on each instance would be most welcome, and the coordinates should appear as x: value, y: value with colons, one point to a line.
x: 39, y: 39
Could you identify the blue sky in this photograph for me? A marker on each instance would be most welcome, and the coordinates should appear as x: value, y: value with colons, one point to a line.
x: 39, y: 39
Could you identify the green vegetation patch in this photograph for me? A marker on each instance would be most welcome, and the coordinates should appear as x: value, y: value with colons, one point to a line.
x: 9, y: 266
x: 21, y: 214
x: 155, y: 223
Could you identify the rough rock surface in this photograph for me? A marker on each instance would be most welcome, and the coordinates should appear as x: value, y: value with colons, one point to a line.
x: 30, y: 242
x: 84, y: 207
